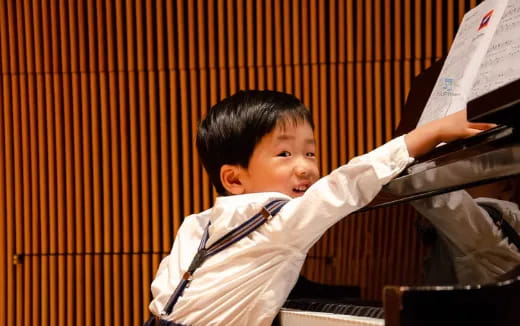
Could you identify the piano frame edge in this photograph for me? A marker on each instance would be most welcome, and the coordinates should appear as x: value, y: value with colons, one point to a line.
x: 493, y: 306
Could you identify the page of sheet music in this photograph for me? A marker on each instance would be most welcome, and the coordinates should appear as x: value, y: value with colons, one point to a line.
x: 501, y: 64
x: 453, y: 86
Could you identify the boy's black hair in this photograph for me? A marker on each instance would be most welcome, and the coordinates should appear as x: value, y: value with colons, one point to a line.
x: 234, y: 126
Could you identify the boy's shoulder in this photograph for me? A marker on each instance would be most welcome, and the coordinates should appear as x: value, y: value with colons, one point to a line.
x: 237, y: 208
x: 195, y: 221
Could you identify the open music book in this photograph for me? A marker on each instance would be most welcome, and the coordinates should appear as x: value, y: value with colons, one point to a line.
x: 484, y: 56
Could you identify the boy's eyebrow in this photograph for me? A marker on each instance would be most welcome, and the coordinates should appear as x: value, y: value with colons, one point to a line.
x: 288, y: 137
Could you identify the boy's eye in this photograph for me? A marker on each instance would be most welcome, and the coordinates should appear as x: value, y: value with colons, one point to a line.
x: 311, y: 154
x: 284, y: 154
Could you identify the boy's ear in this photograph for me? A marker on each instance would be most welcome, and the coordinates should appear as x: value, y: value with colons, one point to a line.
x: 230, y: 178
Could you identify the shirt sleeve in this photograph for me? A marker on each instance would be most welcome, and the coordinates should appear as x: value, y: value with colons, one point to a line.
x: 343, y: 191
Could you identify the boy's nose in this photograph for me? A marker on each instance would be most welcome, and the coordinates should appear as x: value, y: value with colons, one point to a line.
x: 305, y: 170
x: 302, y: 172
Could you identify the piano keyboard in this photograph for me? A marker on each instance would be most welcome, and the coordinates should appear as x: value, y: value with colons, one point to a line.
x: 292, y: 317
x: 314, y: 313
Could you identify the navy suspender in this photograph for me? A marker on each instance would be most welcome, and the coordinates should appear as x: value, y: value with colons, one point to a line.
x: 227, y: 240
x: 507, y: 230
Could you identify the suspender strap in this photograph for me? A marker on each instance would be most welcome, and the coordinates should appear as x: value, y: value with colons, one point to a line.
x: 507, y: 230
x: 247, y: 227
x: 227, y: 240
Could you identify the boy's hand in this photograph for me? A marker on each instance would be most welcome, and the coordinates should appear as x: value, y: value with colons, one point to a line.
x: 454, y: 126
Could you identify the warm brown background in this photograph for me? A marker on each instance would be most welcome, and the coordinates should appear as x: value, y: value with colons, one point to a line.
x: 99, y: 103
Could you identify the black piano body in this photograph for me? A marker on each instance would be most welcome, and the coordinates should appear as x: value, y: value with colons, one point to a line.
x: 485, y: 158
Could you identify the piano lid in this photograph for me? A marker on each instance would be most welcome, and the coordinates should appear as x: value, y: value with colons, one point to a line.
x: 498, y: 106
x: 487, y: 157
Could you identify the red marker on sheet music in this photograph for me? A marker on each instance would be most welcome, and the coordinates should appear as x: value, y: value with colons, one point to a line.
x: 485, y: 20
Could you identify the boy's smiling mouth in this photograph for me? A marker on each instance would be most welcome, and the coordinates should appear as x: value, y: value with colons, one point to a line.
x: 301, y: 189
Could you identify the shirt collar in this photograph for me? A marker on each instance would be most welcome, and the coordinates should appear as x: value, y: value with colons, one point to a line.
x: 231, y: 211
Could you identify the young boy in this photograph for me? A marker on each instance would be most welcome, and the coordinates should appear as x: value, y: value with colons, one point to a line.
x: 258, y: 146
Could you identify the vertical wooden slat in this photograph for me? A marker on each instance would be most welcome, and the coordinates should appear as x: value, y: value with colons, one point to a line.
x: 287, y: 48
x: 183, y: 74
x: 9, y: 197
x: 270, y: 45
x: 350, y: 61
x: 60, y: 226
x: 194, y: 117
x: 96, y: 63
x: 305, y: 54
x: 295, y: 12
x: 113, y: 264
x: 221, y: 48
x: 52, y: 102
x: 321, y: 108
x: 418, y: 35
x: 278, y: 48
x: 4, y: 254
x: 342, y: 87
x: 141, y: 262
x: 87, y: 309
x: 251, y: 42
x: 153, y: 219
x: 333, y: 73
x: 166, y: 217
x: 122, y: 113
x: 450, y: 27
x: 439, y: 50
x: 30, y: 290
x: 66, y: 209
x: 428, y: 30
x: 106, y: 245
x: 368, y: 74
x: 240, y: 46
x: 205, y: 100
x: 153, y: 121
x: 321, y: 102
x: 407, y: 71
x: 261, y: 45
x: 398, y: 55
x: 377, y: 75
x: 17, y: 59
x: 45, y: 167
x: 78, y: 304
x: 360, y: 100
x: 314, y: 92
x: 388, y: 85
x: 228, y: 34
x: 174, y: 119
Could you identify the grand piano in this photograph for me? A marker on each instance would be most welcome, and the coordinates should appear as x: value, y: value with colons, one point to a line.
x: 485, y: 158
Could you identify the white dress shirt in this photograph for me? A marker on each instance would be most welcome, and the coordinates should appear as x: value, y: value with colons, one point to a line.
x: 248, y: 282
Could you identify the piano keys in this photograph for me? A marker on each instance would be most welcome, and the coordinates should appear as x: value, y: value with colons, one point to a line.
x: 494, y: 304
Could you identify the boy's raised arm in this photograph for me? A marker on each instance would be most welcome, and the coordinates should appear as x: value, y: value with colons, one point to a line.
x: 454, y: 126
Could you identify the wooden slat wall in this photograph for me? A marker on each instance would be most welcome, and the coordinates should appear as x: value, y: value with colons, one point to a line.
x: 99, y: 104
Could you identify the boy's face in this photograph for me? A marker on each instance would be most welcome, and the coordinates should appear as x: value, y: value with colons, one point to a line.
x: 283, y: 161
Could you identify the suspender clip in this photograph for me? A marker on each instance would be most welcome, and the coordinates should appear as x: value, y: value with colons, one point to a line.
x: 187, y: 276
x: 266, y: 214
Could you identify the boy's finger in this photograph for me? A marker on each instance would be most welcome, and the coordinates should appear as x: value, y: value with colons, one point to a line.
x: 482, y: 125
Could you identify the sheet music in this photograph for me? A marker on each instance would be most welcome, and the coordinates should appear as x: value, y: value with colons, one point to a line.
x: 501, y: 63
x: 455, y: 81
